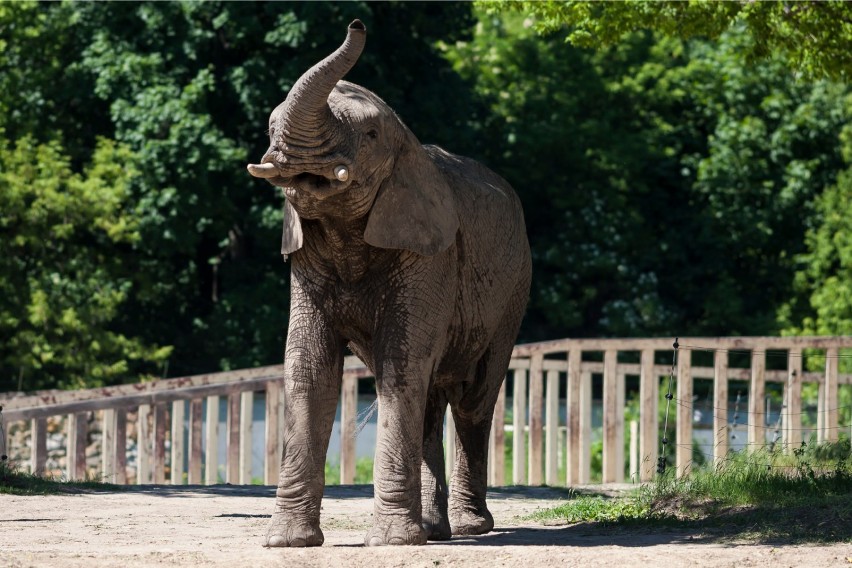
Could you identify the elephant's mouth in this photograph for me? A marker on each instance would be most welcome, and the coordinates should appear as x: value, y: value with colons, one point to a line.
x: 318, y: 186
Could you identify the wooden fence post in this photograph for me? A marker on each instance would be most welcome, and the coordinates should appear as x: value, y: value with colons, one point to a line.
x: 793, y: 414
x: 756, y: 402
x: 610, y: 418
x: 119, y: 451
x: 720, y: 404
x: 649, y: 393
x: 160, y: 428
x: 497, y: 441
x: 634, y: 451
x: 273, y: 439
x: 246, y: 421
x: 38, y: 457
x: 536, y: 398
x: 831, y: 398
x: 176, y: 466
x: 348, y: 414
x: 108, y: 446
x: 143, y: 445
x: 585, y: 457
x: 519, y: 420
x: 684, y: 406
x: 449, y: 445
x: 76, y: 448
x: 211, y: 449
x: 551, y: 453
x: 232, y: 465
x: 196, y: 417
x: 572, y: 412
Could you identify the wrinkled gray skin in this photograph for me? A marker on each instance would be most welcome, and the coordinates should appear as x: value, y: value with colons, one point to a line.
x: 418, y: 260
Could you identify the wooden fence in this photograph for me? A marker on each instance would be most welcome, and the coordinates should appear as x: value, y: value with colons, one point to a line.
x: 538, y: 373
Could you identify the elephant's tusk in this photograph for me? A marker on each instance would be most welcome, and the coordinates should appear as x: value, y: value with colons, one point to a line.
x: 341, y: 173
x: 265, y: 171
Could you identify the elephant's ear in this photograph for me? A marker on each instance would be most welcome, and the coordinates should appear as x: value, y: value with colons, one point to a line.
x: 414, y: 209
x: 291, y: 240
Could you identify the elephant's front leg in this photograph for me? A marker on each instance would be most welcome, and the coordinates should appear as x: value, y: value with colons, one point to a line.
x: 313, y: 371
x: 397, y: 516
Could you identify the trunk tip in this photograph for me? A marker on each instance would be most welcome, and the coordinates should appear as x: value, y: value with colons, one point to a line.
x: 358, y: 25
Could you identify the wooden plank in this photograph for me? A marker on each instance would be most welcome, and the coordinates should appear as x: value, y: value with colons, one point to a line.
x: 649, y: 394
x: 756, y: 402
x: 272, y: 460
x: 145, y: 456
x: 684, y: 412
x: 720, y: 405
x: 119, y: 451
x: 135, y: 400
x: 536, y: 398
x: 610, y: 418
x: 820, y: 417
x: 211, y: 452
x: 832, y: 402
x: 196, y: 417
x: 551, y: 454
x: 572, y: 413
x: 620, y: 404
x: 793, y: 387
x: 497, y: 441
x: 634, y: 451
x: 246, y: 419
x: 76, y: 449
x: 449, y: 445
x: 272, y: 372
x: 232, y: 463
x: 348, y: 414
x: 585, y: 453
x: 160, y: 429
x: 178, y: 450
x: 38, y: 456
x: 108, y: 445
x: 519, y: 422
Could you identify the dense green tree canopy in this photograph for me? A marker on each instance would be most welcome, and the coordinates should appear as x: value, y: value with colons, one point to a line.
x: 814, y: 37
x: 675, y: 182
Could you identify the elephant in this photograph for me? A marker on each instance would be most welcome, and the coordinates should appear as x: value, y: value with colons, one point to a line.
x: 415, y: 259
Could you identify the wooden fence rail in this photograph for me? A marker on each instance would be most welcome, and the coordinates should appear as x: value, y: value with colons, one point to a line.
x: 177, y: 411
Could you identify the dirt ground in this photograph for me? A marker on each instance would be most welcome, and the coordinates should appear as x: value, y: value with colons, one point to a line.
x: 223, y: 526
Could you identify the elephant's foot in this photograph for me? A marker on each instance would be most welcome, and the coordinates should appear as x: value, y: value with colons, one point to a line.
x: 395, y: 531
x: 470, y: 520
x: 437, y: 528
x: 283, y: 532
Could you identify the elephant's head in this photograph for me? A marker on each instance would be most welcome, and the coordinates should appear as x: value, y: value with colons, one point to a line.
x: 339, y: 151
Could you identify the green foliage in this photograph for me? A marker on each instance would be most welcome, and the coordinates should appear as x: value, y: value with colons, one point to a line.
x: 363, y: 472
x: 667, y: 184
x: 594, y: 508
x: 813, y: 36
x: 63, y: 286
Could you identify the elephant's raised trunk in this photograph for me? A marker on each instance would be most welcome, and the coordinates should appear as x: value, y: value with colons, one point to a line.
x: 309, y: 96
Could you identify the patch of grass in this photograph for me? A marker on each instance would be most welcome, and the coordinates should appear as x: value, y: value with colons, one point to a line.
x: 16, y: 482
x: 762, y: 496
x: 363, y: 472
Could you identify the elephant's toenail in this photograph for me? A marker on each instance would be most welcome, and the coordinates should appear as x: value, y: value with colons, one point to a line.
x: 299, y: 542
x: 276, y: 540
x: 375, y: 541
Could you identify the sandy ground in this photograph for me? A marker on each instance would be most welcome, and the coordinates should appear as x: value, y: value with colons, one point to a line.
x: 223, y: 526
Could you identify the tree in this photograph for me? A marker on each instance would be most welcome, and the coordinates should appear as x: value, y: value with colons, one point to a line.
x: 63, y: 287
x: 815, y: 37
x: 667, y: 184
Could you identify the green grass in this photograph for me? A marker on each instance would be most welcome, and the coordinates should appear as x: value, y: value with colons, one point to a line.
x: 16, y: 482
x: 804, y: 497
x: 363, y: 472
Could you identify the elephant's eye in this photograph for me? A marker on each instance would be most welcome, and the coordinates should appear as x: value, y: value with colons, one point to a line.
x: 372, y: 134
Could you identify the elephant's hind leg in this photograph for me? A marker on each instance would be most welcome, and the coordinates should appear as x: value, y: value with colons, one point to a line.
x: 433, y: 492
x: 473, y: 415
